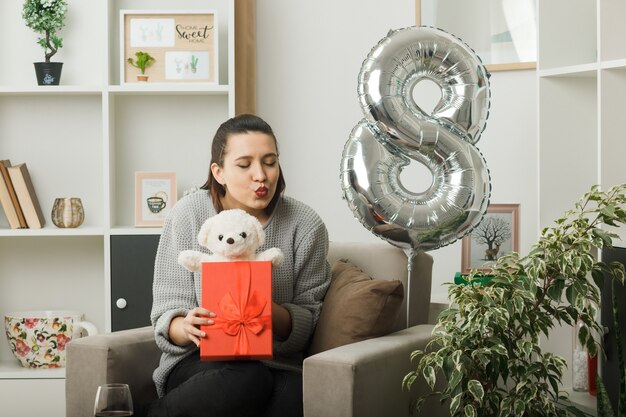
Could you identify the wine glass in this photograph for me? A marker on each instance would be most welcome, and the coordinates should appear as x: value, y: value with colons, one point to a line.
x: 113, y: 400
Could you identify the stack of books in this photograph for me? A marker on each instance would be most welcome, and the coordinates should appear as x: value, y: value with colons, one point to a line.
x: 18, y: 198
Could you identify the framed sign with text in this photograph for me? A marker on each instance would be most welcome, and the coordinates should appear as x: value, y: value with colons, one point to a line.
x: 182, y: 43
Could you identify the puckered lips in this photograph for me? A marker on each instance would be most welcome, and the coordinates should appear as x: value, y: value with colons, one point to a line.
x: 261, y: 191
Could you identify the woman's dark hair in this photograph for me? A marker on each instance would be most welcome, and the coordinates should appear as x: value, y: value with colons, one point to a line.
x: 243, y: 123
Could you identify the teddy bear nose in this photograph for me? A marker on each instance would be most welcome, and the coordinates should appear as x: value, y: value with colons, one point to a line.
x: 230, y: 240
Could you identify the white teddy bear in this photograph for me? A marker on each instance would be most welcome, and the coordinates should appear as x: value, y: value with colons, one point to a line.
x: 231, y: 235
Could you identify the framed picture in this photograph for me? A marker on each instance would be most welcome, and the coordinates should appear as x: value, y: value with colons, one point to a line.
x: 155, y: 195
x: 183, y: 44
x: 495, y: 236
x: 502, y: 32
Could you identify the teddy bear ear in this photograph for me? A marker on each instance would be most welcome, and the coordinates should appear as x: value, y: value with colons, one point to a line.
x: 203, y: 235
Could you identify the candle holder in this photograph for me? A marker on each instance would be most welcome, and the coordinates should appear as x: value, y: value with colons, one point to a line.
x: 68, y: 212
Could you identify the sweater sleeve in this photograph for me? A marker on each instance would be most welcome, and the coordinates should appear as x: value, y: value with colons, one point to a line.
x: 173, y: 286
x: 311, y: 280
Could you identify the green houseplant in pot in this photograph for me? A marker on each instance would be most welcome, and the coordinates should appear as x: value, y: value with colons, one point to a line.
x: 46, y: 17
x: 143, y: 60
x: 485, y: 350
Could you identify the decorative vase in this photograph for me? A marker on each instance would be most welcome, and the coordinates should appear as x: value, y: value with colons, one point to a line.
x: 592, y: 373
x: 580, y: 367
x: 48, y: 73
x: 68, y: 212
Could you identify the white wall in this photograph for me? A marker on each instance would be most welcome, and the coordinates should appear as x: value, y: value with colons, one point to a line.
x: 309, y: 55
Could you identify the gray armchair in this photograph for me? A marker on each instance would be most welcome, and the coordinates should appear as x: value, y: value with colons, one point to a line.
x: 359, y: 379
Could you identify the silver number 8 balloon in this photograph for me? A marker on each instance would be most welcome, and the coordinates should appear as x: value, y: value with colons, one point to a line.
x: 396, y: 131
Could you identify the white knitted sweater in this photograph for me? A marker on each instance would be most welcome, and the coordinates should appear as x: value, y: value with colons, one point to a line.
x: 299, y: 284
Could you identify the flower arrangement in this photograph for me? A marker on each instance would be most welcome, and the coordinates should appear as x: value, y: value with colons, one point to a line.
x: 46, y: 17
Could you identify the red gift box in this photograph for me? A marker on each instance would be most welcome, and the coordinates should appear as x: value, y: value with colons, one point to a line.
x: 240, y: 295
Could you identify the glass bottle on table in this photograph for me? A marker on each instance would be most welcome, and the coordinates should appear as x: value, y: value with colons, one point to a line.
x: 592, y: 373
x: 580, y: 378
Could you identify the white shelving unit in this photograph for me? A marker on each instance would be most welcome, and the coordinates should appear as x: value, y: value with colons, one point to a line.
x: 582, y: 82
x: 86, y: 138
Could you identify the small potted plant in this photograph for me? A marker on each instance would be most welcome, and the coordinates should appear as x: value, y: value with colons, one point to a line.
x: 46, y: 17
x: 143, y: 61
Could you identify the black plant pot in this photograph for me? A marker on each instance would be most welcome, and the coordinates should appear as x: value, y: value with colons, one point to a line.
x: 48, y: 73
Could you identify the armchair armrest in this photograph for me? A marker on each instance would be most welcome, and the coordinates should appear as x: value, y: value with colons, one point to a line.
x: 128, y: 356
x: 365, y: 378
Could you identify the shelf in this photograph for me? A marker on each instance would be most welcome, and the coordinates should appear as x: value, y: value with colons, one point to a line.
x: 147, y: 88
x: 582, y: 71
x: 582, y: 82
x: 80, y: 231
x: 120, y: 230
x: 162, y: 88
x: 53, y: 231
x: 614, y: 64
x: 13, y: 370
x: 50, y: 90
x: 583, y: 400
x: 86, y: 138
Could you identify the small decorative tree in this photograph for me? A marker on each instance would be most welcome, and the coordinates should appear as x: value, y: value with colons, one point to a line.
x: 46, y: 17
x: 486, y: 344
